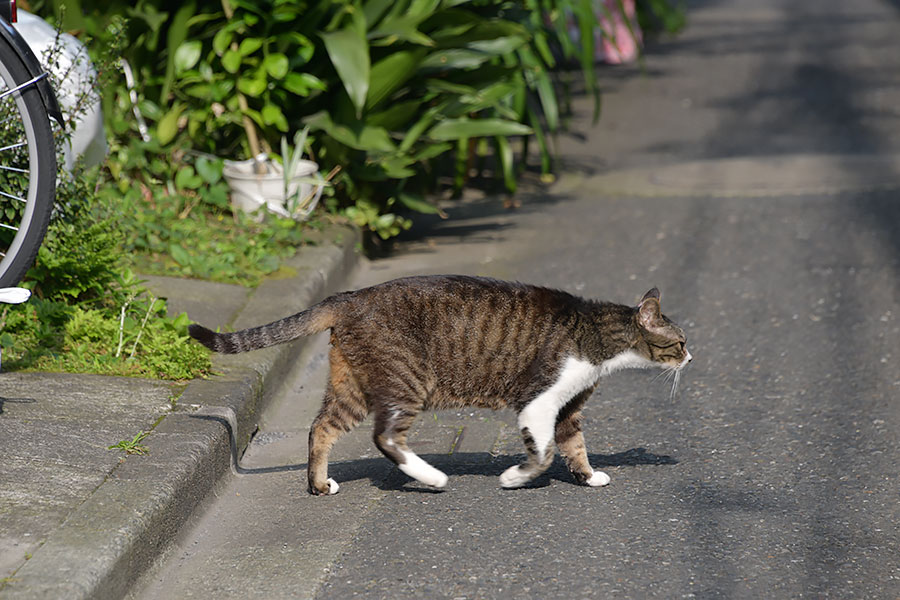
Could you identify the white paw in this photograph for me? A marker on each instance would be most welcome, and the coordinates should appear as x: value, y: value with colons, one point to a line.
x: 418, y: 469
x: 439, y: 480
x: 513, y: 477
x: 599, y: 478
x: 333, y: 486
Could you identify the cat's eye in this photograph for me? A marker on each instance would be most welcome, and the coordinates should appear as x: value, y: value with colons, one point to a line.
x: 667, y: 346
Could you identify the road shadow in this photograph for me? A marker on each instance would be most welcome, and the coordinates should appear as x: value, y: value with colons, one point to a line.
x: 479, y: 217
x: 384, y: 475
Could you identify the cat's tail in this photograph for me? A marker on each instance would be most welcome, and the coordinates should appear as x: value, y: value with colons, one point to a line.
x: 307, y: 322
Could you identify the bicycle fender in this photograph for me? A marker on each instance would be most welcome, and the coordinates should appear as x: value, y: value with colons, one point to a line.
x: 33, y: 65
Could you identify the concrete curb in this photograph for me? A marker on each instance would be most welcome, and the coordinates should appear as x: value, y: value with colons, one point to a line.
x: 102, y: 548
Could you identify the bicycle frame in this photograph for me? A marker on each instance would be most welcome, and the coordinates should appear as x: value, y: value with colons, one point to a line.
x: 39, y: 77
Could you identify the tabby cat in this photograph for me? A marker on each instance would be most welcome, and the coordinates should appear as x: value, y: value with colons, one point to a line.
x: 437, y: 342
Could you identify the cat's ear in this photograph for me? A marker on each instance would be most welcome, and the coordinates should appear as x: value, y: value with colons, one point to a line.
x: 653, y: 293
x: 649, y: 316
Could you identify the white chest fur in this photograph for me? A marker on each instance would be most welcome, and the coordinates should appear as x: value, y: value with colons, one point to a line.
x: 576, y: 375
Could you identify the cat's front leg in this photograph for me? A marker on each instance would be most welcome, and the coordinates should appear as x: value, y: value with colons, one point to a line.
x: 570, y: 441
x: 540, y: 456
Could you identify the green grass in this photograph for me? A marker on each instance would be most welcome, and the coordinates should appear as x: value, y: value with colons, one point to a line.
x: 132, y: 446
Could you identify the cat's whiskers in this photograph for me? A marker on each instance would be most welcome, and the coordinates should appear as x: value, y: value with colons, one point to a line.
x: 675, y: 380
x: 663, y: 373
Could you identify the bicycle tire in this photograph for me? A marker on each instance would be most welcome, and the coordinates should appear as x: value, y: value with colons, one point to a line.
x: 25, y: 122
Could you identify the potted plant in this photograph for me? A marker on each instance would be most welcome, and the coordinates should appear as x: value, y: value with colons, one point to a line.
x: 289, y: 189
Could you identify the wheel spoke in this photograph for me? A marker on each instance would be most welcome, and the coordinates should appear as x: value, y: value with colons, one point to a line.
x: 14, y: 146
x: 5, y: 226
x: 5, y: 195
x: 24, y: 85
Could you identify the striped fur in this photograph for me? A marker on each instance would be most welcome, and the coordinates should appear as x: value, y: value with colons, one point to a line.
x: 313, y: 320
x: 434, y: 342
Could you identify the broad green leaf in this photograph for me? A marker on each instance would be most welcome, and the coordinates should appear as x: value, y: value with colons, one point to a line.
x: 489, y: 36
x: 187, y: 56
x: 397, y: 168
x: 187, y: 179
x: 415, y: 132
x: 548, y: 101
x: 181, y: 321
x: 177, y: 34
x: 543, y: 48
x: 231, y: 61
x: 252, y: 87
x: 362, y: 137
x: 249, y: 46
x: 390, y: 73
x: 209, y: 170
x: 349, y: 53
x: 546, y: 156
x: 286, y: 12
x: 276, y: 65
x: 442, y: 85
x: 454, y: 129
x: 540, y: 80
x: 504, y: 153
x: 254, y: 114
x: 501, y: 45
x: 375, y: 9
x: 302, y: 83
x: 454, y: 59
x: 432, y: 150
x: 423, y: 9
x: 397, y: 115
x: 454, y: 23
x: 488, y: 96
x: 420, y: 204
x: 167, y: 127
x: 460, y: 164
x: 404, y: 27
x: 272, y: 115
x: 202, y: 18
x: 222, y: 40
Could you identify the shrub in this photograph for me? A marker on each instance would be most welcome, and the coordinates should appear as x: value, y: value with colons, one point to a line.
x: 395, y: 92
x: 89, y: 312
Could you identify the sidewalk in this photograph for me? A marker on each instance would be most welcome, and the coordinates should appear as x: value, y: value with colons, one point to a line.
x: 80, y: 521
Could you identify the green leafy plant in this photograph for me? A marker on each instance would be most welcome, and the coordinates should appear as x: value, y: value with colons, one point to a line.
x: 89, y: 312
x: 391, y: 91
x: 132, y: 446
x: 403, y: 96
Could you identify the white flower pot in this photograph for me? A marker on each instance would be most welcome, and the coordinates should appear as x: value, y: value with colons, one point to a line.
x: 251, y: 190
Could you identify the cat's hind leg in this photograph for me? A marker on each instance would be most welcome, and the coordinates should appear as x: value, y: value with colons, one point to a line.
x: 342, y: 409
x: 391, y: 427
x: 570, y: 441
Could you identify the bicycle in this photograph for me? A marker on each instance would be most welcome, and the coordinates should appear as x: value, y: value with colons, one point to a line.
x: 27, y: 151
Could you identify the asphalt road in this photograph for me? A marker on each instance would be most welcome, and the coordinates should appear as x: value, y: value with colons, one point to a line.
x: 774, y: 471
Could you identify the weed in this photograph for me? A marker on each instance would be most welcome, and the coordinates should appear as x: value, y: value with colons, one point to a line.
x: 132, y: 446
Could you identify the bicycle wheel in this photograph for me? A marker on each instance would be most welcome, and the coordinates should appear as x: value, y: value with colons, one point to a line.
x: 27, y: 168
